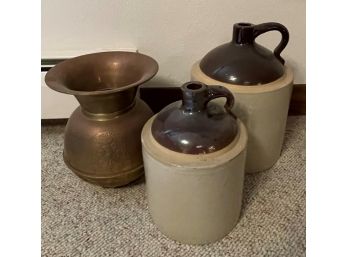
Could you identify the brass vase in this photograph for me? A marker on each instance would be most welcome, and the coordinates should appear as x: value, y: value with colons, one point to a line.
x: 102, y: 137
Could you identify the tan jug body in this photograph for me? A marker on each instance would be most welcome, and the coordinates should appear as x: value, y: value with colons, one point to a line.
x: 194, y: 198
x: 263, y: 109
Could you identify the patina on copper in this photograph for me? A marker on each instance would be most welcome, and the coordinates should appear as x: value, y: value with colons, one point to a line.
x: 196, y: 125
x: 243, y: 61
x: 102, y: 137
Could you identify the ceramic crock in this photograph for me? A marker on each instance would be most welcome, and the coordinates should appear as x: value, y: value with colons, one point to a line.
x: 102, y: 137
x: 262, y: 86
x: 194, y: 158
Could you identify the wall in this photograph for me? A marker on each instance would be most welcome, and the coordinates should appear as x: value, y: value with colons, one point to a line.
x: 175, y: 33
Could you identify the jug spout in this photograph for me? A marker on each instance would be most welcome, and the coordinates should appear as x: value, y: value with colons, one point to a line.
x: 243, y: 33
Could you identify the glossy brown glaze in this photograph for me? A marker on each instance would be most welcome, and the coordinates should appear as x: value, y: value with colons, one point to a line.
x: 102, y: 137
x: 196, y: 125
x: 244, y: 62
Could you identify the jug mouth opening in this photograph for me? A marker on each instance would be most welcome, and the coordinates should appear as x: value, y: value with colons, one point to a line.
x: 194, y: 86
x: 101, y: 73
x: 244, y: 24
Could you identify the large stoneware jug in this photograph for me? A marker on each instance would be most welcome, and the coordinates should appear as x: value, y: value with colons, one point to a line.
x: 194, y: 158
x: 261, y: 84
x: 102, y: 138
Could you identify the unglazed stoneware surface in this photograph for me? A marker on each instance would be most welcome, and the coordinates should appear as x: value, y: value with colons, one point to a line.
x: 263, y: 109
x: 194, y: 198
x: 102, y: 137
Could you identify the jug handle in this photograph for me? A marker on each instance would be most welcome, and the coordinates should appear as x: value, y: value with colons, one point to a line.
x: 220, y: 91
x: 271, y: 26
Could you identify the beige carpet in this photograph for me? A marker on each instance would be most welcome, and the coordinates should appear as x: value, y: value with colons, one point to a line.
x: 80, y: 219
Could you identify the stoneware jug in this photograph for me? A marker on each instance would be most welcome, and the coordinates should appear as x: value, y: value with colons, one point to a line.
x: 194, y: 156
x: 102, y: 137
x: 261, y: 84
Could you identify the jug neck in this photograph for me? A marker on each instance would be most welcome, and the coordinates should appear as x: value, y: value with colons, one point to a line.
x: 243, y: 33
x: 107, y: 105
x: 195, y: 97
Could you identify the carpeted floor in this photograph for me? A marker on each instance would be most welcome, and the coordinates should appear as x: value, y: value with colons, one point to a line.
x: 80, y: 219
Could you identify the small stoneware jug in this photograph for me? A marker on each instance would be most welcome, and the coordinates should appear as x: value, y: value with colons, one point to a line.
x: 261, y: 84
x: 194, y: 156
x: 102, y: 137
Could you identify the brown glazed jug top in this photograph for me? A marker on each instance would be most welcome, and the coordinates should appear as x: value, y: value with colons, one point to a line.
x: 197, y: 126
x: 244, y: 62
